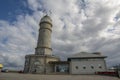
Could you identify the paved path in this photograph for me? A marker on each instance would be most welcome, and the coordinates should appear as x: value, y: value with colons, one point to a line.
x: 17, y: 76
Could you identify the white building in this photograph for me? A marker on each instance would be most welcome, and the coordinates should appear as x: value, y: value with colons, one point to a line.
x: 86, y: 63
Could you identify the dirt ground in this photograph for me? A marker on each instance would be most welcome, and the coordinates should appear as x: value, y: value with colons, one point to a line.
x: 18, y: 76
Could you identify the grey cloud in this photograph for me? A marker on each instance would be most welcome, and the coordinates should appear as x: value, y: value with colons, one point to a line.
x: 74, y: 29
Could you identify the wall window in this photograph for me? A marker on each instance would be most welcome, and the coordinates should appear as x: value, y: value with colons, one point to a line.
x: 84, y: 67
x: 76, y: 67
x: 61, y: 68
x: 99, y: 65
x: 92, y: 67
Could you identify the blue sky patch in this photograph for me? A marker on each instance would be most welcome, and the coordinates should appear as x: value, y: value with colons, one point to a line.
x: 11, y: 8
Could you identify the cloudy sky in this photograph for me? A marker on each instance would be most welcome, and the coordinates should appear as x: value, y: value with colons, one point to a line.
x: 78, y: 25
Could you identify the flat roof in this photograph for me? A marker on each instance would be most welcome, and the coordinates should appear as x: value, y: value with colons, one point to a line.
x: 59, y: 62
x: 87, y: 55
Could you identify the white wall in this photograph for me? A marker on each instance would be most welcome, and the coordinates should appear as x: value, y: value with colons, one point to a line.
x: 80, y: 64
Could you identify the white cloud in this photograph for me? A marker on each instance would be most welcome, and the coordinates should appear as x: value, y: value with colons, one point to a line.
x: 78, y: 25
x: 17, y: 40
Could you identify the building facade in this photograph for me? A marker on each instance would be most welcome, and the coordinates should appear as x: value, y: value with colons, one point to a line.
x: 43, y: 62
x: 87, y: 63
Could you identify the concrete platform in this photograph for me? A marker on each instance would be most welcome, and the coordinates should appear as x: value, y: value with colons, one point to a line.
x: 18, y: 76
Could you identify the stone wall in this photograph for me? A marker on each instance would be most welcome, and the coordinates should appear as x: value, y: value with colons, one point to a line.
x: 39, y: 64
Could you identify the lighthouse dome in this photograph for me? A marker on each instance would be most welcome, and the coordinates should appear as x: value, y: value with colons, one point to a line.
x: 46, y: 18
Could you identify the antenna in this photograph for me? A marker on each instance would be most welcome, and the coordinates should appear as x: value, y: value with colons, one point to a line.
x: 47, y: 12
x: 50, y: 12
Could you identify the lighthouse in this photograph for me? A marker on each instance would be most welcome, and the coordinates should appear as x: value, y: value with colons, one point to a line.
x: 44, y: 38
x: 39, y: 62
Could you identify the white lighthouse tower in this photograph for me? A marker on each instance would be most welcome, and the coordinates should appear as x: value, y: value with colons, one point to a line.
x: 39, y: 62
x: 44, y: 38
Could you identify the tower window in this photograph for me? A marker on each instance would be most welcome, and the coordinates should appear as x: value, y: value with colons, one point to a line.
x: 43, y: 30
